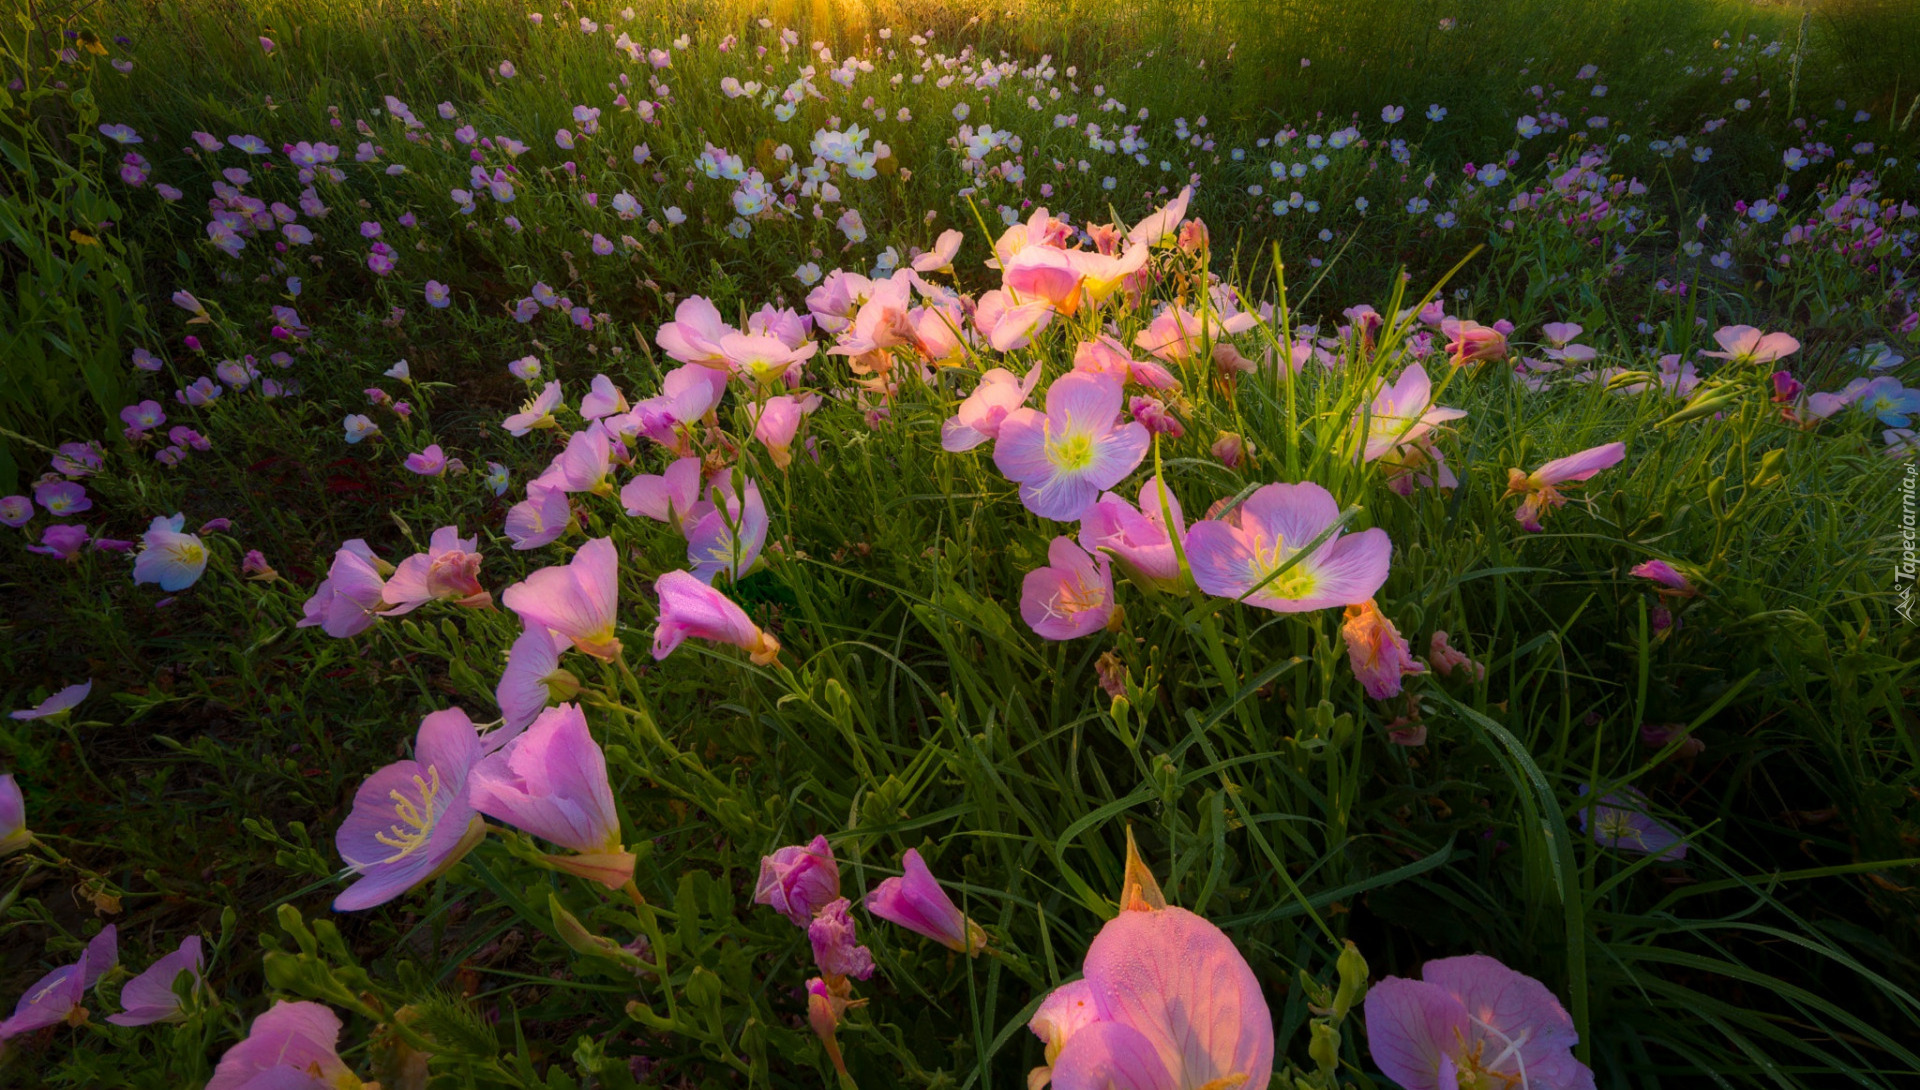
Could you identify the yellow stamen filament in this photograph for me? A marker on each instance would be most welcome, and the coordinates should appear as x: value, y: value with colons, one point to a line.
x: 415, y: 826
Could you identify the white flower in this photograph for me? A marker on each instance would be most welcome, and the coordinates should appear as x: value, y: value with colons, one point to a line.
x: 169, y: 557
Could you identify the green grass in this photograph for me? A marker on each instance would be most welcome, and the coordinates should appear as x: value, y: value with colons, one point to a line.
x: 199, y: 788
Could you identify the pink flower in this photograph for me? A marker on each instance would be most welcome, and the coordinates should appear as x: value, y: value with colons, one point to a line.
x: 293, y: 1046
x: 56, y: 997
x: 689, y: 607
x: 448, y: 570
x: 1103, y: 274
x: 1162, y: 221
x: 1667, y: 576
x: 411, y: 820
x: 945, y: 248
x: 942, y: 335
x: 999, y: 393
x: 916, y: 902
x: 1165, y: 1002
x: 1043, y: 274
x: 1401, y: 413
x: 1063, y: 459
x: 799, y: 880
x: 534, y: 413
x: 695, y: 333
x: 1152, y: 413
x: 149, y: 997
x: 728, y: 537
x: 1540, y: 486
x: 1138, y: 536
x: 551, y: 781
x: 61, y: 498
x: 1071, y: 597
x: 1471, y: 1021
x: 836, y: 951
x: 1230, y: 448
x: 586, y: 462
x: 349, y: 599
x: 14, y: 834
x: 1378, y: 654
x: 668, y: 497
x: 1177, y: 335
x: 764, y: 360
x: 533, y: 678
x: 1105, y: 356
x: 1745, y: 344
x: 168, y: 556
x: 1445, y: 659
x: 1560, y: 334
x: 541, y: 518
x: 65, y: 700
x: 1232, y: 556
x: 777, y: 420
x: 1007, y: 325
x: 62, y: 540
x: 431, y: 462
x: 16, y: 511
x: 1470, y: 342
x: 578, y: 600
x: 605, y: 399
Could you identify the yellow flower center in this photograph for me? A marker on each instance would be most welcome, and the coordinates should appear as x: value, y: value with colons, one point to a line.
x: 1297, y: 582
x: 415, y: 825
x: 1071, y: 453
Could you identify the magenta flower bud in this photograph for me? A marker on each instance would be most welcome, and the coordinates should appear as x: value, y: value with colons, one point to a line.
x: 835, y: 950
x: 1150, y: 412
x: 916, y: 902
x: 799, y: 880
x: 13, y: 817
x: 1785, y: 386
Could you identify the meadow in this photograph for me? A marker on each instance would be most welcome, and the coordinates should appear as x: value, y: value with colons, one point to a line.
x: 1157, y: 546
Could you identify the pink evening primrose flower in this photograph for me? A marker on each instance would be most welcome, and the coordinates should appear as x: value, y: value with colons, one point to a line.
x: 411, y: 820
x: 14, y: 834
x: 55, y: 998
x: 690, y: 607
x: 1620, y: 820
x: 1665, y: 574
x: 1540, y: 486
x: 729, y: 536
x: 293, y: 1046
x: 799, y: 880
x: 603, y: 399
x: 999, y: 393
x: 695, y: 333
x: 16, y: 511
x: 1471, y: 1021
x: 431, y: 462
x: 349, y: 600
x: 1063, y: 459
x: 539, y: 519
x: 1162, y: 222
x: 1071, y: 597
x: 62, y: 540
x: 1470, y: 342
x: 449, y: 570
x: 149, y: 997
x: 1105, y: 355
x: 1745, y: 344
x: 1231, y: 556
x: 1379, y: 655
x: 551, y: 781
x: 578, y: 600
x: 537, y: 412
x: 1164, y: 1002
x: 169, y: 557
x: 61, y: 499
x: 777, y: 421
x: 916, y: 902
x: 533, y: 677
x: 945, y: 249
x: 65, y: 700
x: 1400, y: 413
x: 669, y: 497
x: 1137, y: 536
x: 763, y: 359
x: 836, y: 949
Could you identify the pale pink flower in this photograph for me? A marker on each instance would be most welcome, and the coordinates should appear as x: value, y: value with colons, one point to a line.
x: 763, y: 359
x: 1401, y: 413
x: 695, y: 333
x: 533, y: 678
x: 56, y: 997
x: 349, y: 600
x: 945, y: 248
x: 799, y: 880
x: 541, y: 518
x: 689, y: 607
x: 603, y: 399
x: 293, y: 1046
x: 449, y: 570
x: 534, y: 413
x: 1162, y: 222
x: 916, y: 902
x: 777, y: 420
x: 1471, y: 1021
x: 411, y: 820
x: 728, y: 537
x: 1071, y: 597
x: 431, y: 462
x: 1063, y: 459
x: 1470, y: 342
x: 149, y: 997
x: 1006, y: 325
x: 999, y: 393
x: 1541, y: 487
x: 578, y: 600
x: 1106, y: 356
x: 551, y: 781
x: 669, y: 497
x: 1138, y: 536
x: 1747, y: 345
x: 1379, y: 655
x: 1231, y: 557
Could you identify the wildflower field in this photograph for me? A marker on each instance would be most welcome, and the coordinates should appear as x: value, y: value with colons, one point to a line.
x: 1149, y: 546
